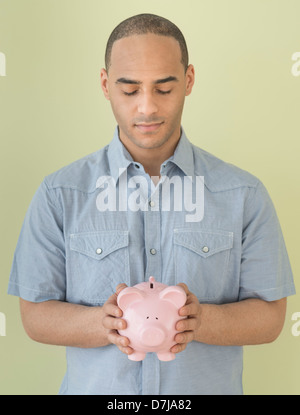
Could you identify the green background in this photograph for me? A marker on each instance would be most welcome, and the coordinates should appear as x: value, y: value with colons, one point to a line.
x: 244, y: 109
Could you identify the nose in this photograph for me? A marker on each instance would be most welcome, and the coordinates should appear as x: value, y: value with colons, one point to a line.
x: 147, y: 105
x: 152, y: 336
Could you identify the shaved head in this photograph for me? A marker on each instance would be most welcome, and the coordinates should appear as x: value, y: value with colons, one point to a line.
x: 147, y: 23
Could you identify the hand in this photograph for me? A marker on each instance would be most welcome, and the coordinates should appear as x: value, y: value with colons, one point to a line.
x: 190, y: 325
x: 112, y: 322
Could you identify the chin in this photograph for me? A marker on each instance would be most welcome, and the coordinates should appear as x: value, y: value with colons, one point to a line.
x: 150, y: 142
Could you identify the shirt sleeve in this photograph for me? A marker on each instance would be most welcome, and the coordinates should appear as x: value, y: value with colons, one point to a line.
x: 265, y: 268
x: 38, y: 269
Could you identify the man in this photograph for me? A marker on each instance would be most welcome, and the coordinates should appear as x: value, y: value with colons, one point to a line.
x: 98, y: 225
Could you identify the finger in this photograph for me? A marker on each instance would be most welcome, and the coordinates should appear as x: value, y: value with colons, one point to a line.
x: 178, y: 348
x: 115, y: 338
x: 190, y: 299
x: 126, y: 350
x: 191, y: 306
x: 120, y: 287
x: 184, y: 286
x: 186, y: 324
x: 111, y: 309
x: 120, y: 341
x: 185, y: 337
x: 189, y: 309
x: 182, y: 340
x: 112, y: 323
x: 113, y: 298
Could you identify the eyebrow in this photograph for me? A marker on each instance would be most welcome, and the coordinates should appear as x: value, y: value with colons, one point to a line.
x: 158, y: 81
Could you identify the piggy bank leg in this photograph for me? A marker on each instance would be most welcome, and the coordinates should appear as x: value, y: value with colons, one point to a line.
x: 137, y: 356
x: 165, y: 356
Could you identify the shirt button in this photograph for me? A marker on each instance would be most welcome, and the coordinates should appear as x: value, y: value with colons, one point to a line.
x: 205, y: 249
x: 152, y: 251
x: 151, y: 203
x: 98, y: 251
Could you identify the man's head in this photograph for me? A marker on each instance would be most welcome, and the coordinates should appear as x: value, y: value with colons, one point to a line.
x: 146, y: 79
x: 143, y: 24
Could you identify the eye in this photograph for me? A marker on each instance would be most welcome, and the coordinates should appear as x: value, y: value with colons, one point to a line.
x: 163, y: 92
x: 129, y: 94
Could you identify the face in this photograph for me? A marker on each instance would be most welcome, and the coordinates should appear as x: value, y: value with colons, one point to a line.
x: 146, y: 86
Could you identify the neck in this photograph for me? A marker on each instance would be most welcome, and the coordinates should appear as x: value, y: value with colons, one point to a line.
x: 151, y: 158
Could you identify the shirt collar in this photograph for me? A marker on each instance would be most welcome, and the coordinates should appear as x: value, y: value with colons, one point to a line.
x: 120, y: 159
x: 183, y: 155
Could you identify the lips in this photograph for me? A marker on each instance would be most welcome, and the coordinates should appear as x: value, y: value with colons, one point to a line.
x: 148, y: 128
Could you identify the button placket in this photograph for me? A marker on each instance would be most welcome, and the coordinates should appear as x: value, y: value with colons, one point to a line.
x: 152, y: 237
x: 153, y: 201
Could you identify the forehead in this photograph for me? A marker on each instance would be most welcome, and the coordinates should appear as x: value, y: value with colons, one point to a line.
x: 148, y: 54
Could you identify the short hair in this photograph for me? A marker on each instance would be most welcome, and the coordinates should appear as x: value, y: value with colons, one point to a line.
x: 147, y: 23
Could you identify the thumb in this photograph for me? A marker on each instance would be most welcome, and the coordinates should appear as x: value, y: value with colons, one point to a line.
x: 120, y: 287
x: 184, y: 286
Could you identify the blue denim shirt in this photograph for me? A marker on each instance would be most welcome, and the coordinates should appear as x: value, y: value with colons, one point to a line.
x: 80, y: 239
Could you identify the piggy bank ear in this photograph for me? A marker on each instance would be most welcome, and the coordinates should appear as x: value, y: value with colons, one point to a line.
x: 174, y: 294
x: 129, y: 296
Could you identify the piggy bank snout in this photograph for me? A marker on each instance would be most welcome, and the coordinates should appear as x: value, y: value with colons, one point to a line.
x: 152, y: 336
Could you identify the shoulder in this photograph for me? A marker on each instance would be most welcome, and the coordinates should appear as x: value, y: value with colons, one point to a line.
x: 81, y: 174
x: 220, y: 175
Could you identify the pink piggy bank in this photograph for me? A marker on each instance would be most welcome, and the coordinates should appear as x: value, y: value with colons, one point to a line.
x: 151, y: 312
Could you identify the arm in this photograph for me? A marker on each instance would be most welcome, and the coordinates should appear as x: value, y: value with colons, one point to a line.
x: 248, y: 322
x: 65, y: 324
x: 251, y: 321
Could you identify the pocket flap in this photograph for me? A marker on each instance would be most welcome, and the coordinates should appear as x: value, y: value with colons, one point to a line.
x: 204, y: 243
x: 98, y: 245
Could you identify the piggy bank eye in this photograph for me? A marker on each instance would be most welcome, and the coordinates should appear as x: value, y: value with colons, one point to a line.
x: 147, y: 317
x: 156, y: 318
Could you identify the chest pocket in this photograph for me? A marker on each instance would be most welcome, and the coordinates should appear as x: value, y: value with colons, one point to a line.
x: 99, y: 261
x: 201, y: 261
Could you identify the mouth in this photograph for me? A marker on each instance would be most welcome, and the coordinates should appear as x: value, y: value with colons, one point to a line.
x: 148, y: 128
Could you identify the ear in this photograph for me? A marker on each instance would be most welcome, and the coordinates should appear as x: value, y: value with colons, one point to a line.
x: 190, y: 79
x: 129, y: 296
x: 175, y: 295
x: 104, y: 83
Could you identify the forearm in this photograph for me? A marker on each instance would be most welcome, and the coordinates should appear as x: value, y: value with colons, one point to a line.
x: 247, y: 322
x: 64, y: 324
